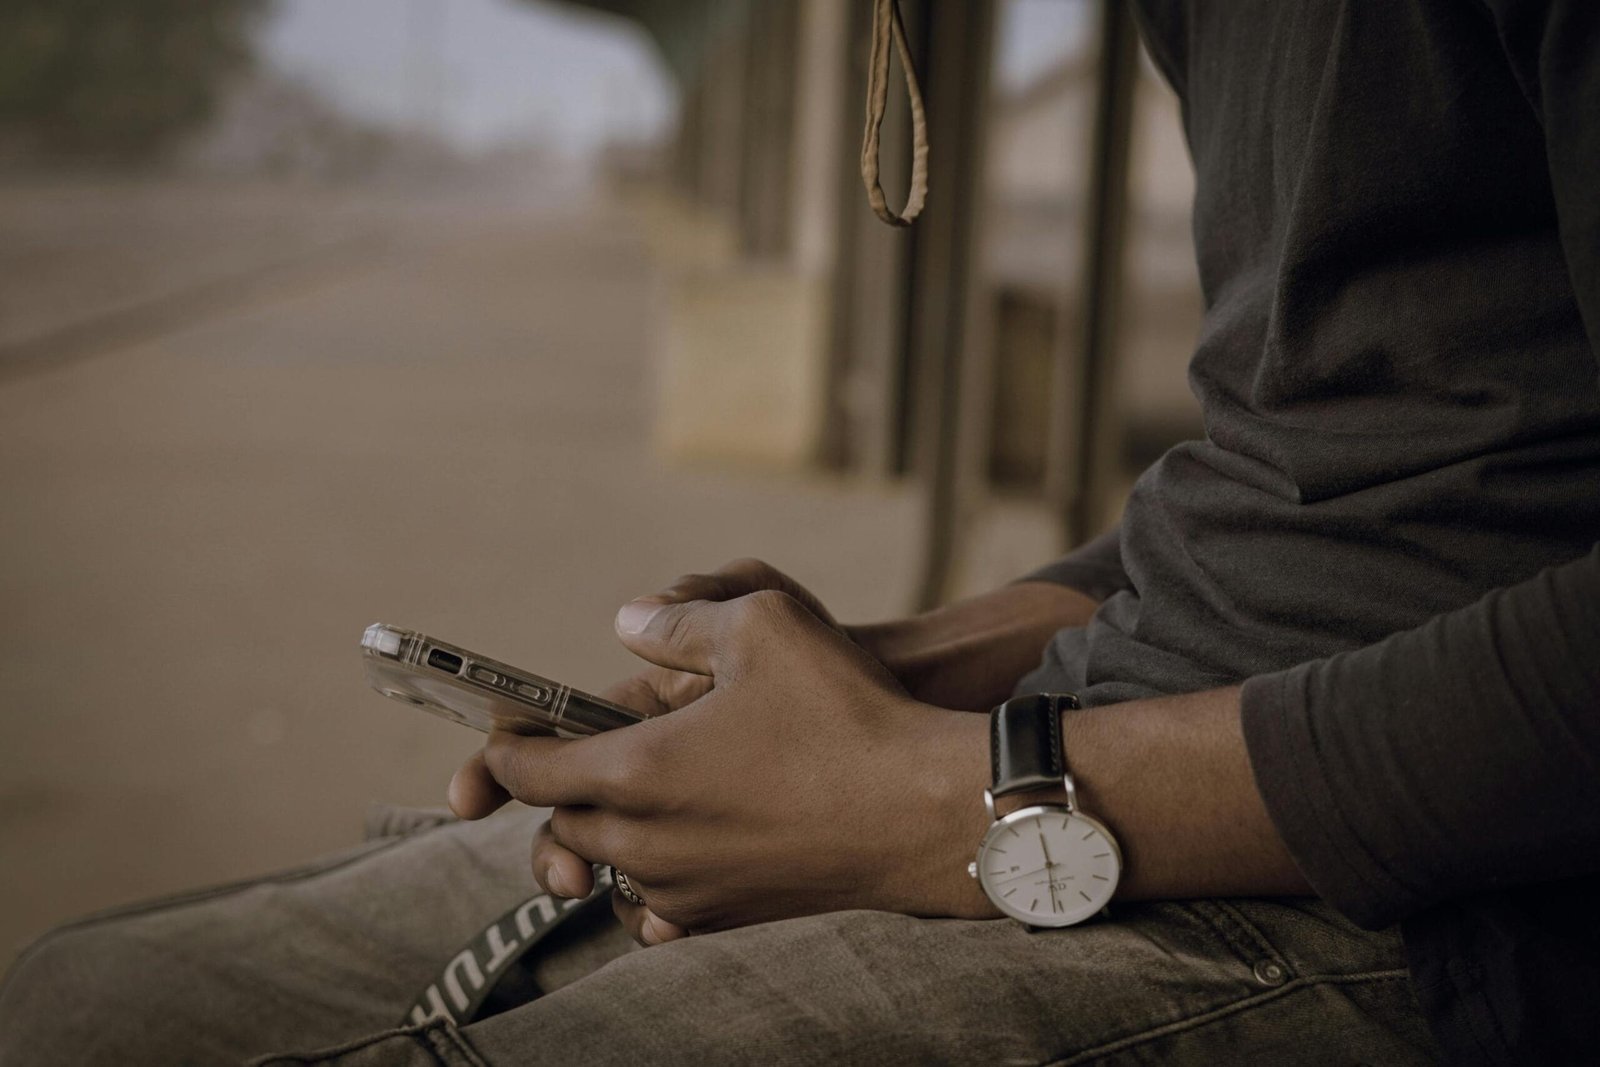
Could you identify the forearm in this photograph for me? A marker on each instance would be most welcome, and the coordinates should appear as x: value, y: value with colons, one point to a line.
x: 969, y: 654
x: 1172, y: 778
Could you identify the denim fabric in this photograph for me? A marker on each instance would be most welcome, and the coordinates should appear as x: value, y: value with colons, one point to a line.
x: 324, y: 961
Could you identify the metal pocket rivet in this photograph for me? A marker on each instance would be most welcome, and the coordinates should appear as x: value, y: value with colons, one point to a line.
x: 1269, y: 973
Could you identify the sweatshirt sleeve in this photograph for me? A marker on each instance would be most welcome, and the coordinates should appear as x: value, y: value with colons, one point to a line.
x: 1094, y: 568
x: 1455, y: 758
x: 1463, y: 755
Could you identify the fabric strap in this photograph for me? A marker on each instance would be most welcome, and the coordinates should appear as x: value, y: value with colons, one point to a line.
x: 494, y: 971
x: 887, y: 25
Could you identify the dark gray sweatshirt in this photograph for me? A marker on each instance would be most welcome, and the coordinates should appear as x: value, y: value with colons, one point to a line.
x: 1389, y: 533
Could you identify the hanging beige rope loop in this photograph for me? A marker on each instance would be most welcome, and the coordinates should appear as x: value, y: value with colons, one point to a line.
x: 886, y: 24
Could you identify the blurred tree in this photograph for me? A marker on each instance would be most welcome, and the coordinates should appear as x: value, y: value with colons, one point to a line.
x: 114, y: 80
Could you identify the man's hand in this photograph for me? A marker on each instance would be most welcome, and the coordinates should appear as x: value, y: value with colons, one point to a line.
x: 805, y: 780
x: 654, y: 691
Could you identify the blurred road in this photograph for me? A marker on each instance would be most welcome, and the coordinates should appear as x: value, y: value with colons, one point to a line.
x: 446, y: 426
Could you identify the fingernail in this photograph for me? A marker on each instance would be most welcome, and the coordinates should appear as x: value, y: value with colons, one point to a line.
x: 557, y: 883
x: 636, y: 615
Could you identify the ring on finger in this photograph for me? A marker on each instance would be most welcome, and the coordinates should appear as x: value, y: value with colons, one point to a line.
x: 625, y: 887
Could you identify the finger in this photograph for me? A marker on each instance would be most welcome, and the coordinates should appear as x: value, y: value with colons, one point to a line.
x: 638, y: 693
x: 756, y: 575
x: 651, y: 692
x: 546, y: 772
x: 681, y: 688
x: 684, y: 637
x: 558, y: 870
x: 740, y: 578
x: 657, y: 690
x: 716, y: 586
x: 711, y: 638
x: 592, y: 833
x: 473, y: 792
x: 642, y: 924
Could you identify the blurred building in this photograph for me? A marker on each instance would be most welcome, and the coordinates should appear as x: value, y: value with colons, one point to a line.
x: 1018, y: 354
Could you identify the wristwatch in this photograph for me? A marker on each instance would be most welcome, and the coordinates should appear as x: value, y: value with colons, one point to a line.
x: 1047, y: 863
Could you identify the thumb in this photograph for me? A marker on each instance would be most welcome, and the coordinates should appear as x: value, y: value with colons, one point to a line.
x: 682, y: 636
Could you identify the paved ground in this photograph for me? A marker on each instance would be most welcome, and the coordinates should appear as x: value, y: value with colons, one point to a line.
x: 79, y: 250
x: 449, y: 431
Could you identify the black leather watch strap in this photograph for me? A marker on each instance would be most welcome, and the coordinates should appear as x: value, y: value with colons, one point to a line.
x: 1025, y: 742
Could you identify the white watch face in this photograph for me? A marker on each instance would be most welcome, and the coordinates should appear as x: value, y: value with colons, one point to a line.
x: 1047, y: 867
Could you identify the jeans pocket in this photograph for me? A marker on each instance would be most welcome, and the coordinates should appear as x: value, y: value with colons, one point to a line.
x: 1308, y: 937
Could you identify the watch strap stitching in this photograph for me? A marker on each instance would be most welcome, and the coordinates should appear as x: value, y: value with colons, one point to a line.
x: 1016, y: 738
x: 995, y: 741
x: 1057, y: 760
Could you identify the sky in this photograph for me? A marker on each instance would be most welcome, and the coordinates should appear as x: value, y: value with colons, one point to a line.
x: 481, y: 74
x: 1035, y: 35
x: 487, y: 73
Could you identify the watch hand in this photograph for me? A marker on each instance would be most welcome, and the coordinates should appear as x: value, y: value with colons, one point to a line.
x: 1024, y: 874
x: 1049, y: 880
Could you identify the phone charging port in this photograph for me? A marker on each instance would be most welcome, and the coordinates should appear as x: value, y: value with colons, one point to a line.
x: 444, y: 661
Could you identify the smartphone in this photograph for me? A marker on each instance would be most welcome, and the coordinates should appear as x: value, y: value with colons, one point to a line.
x: 479, y: 692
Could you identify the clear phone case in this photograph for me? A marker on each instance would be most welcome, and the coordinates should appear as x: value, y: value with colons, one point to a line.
x: 479, y: 692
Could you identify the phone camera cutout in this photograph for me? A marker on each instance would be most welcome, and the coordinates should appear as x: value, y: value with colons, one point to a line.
x: 448, y: 662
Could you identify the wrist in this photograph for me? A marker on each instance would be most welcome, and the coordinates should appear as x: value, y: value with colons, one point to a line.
x: 942, y: 816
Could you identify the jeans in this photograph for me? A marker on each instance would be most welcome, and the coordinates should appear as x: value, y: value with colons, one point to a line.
x: 318, y: 965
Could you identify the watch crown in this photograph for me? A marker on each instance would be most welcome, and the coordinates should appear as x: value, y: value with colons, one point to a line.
x: 972, y: 869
